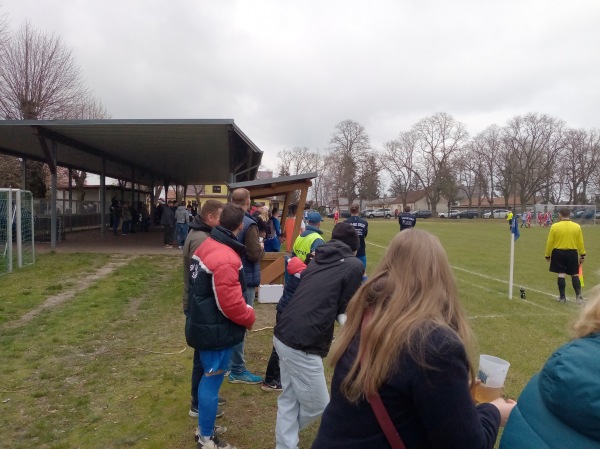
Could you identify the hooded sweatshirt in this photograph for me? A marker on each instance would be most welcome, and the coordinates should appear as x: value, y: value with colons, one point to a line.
x: 181, y: 215
x: 326, y: 286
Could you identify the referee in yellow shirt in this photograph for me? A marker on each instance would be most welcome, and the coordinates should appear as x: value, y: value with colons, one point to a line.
x: 565, y: 251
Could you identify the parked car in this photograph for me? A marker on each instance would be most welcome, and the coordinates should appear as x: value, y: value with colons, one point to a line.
x: 366, y: 212
x: 380, y: 213
x: 584, y: 213
x: 344, y: 213
x: 448, y: 214
x: 469, y: 213
x: 498, y: 213
x: 423, y: 214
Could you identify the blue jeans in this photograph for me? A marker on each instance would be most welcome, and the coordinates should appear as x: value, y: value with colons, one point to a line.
x: 182, y: 232
x: 363, y: 259
x: 238, y: 363
x: 208, y: 391
x: 304, y: 395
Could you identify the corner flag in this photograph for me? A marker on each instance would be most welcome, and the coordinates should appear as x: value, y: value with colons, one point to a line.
x: 514, y: 229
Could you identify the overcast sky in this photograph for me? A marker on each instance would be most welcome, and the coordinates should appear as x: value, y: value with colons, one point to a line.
x: 288, y: 71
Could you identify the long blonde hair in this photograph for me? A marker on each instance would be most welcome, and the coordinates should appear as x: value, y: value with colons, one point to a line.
x: 589, y: 318
x: 412, y: 291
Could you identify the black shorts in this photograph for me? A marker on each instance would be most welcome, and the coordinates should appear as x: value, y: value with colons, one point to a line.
x: 564, y: 261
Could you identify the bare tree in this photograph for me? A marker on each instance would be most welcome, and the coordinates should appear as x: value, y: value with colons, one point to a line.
x: 296, y: 161
x: 10, y: 171
x: 532, y: 144
x: 39, y: 78
x: 468, y: 169
x: 350, y: 146
x: 486, y: 146
x: 579, y: 160
x: 4, y: 34
x: 398, y: 160
x: 440, y: 138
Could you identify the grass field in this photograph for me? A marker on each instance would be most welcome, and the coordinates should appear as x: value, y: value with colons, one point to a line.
x: 108, y: 368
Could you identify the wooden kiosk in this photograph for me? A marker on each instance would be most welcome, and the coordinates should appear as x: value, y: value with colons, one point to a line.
x: 272, y: 265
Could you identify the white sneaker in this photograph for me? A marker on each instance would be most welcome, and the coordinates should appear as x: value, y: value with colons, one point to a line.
x: 218, y: 430
x: 214, y: 443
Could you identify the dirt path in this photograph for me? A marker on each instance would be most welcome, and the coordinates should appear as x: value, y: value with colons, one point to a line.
x: 113, y: 263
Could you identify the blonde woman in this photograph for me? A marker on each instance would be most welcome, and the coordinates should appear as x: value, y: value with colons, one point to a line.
x: 414, y: 351
x: 560, y: 406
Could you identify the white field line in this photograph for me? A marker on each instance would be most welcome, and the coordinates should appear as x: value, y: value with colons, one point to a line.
x: 520, y: 300
x: 491, y: 279
x: 521, y: 315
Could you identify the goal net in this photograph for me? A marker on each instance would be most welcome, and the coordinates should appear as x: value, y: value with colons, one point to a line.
x: 584, y: 214
x: 16, y: 229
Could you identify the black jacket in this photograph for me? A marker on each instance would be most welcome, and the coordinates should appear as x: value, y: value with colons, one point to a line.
x: 325, y: 288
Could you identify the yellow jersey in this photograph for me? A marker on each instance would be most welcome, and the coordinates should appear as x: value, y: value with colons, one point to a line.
x: 565, y: 235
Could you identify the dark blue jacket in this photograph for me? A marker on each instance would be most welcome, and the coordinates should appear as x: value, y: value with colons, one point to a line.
x: 251, y: 269
x: 429, y: 407
x: 407, y: 220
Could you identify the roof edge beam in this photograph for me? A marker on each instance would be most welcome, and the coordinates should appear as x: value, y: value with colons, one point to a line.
x: 68, y: 141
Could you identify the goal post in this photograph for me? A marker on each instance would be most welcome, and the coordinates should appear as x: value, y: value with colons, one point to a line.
x: 16, y: 229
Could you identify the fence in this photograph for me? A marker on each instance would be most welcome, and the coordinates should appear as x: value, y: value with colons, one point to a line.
x: 16, y: 229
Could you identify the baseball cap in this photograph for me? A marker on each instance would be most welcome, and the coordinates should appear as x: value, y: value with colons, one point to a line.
x: 314, y: 217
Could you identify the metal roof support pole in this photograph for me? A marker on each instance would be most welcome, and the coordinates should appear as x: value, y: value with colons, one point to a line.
x: 70, y: 198
x: 103, y: 197
x: 9, y: 245
x: 152, y: 200
x: 24, y: 173
x: 166, y: 186
x: 53, y: 216
x: 300, y: 212
x: 132, y: 185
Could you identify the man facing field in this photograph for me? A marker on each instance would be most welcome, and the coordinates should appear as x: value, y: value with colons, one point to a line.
x: 565, y: 252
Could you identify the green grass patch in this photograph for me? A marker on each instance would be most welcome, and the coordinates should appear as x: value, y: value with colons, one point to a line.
x: 26, y: 288
x: 105, y: 369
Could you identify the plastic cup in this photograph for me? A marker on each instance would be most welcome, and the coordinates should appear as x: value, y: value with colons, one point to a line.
x: 492, y: 374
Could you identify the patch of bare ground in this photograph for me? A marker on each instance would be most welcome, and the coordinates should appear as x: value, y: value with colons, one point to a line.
x: 115, y: 262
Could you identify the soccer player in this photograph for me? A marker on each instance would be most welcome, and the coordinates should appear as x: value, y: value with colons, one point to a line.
x: 361, y: 226
x: 565, y: 252
x: 407, y: 220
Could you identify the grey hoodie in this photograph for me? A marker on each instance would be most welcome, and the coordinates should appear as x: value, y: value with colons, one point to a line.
x: 182, y: 214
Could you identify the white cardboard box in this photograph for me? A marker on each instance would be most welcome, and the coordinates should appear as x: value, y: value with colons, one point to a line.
x: 270, y: 293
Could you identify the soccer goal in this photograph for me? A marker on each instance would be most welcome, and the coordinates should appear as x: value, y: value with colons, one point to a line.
x: 16, y: 229
x: 584, y: 214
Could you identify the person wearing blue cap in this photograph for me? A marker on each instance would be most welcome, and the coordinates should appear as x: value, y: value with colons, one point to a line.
x: 310, y: 239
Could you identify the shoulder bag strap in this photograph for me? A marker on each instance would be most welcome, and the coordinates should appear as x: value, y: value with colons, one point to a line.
x: 382, y: 415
